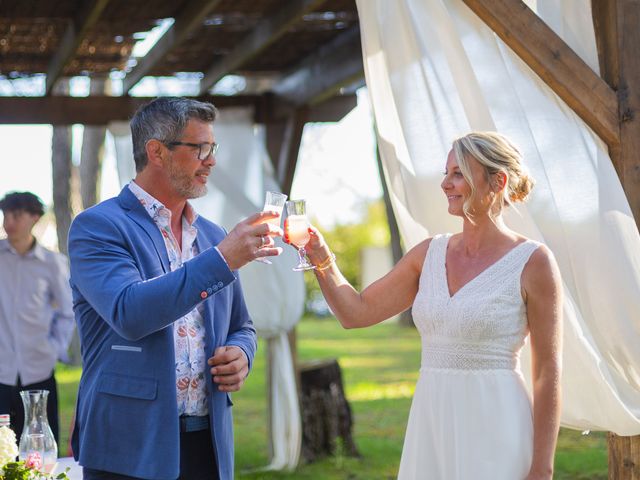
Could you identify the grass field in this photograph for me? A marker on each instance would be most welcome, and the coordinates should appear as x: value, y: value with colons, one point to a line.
x: 379, y: 367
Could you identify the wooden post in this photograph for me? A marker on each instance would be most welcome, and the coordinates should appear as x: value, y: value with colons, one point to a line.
x: 618, y: 40
x: 283, y: 144
x: 624, y: 453
x: 61, y: 172
x: 92, y: 153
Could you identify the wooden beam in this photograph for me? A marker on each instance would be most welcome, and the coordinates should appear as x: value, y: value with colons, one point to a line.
x: 188, y: 22
x: 322, y: 75
x: 99, y: 110
x: 291, y: 140
x: 554, y: 62
x: 332, y: 109
x: 605, y: 26
x: 77, y: 29
x: 629, y: 96
x: 265, y: 34
x: 275, y: 134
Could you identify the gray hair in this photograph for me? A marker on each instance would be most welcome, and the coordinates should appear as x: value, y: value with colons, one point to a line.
x: 164, y: 119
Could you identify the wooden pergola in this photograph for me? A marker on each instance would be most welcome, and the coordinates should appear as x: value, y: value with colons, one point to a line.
x: 300, y: 58
x: 302, y: 61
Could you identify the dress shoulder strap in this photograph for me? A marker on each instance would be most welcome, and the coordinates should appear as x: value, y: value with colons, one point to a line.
x: 437, y: 250
x: 434, y: 260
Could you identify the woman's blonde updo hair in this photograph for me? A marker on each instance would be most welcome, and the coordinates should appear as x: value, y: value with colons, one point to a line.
x: 496, y: 154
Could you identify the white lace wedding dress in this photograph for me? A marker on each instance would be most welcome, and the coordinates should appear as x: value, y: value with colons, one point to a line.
x: 471, y: 416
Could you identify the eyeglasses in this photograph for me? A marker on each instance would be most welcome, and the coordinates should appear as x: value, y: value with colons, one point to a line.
x: 205, y: 150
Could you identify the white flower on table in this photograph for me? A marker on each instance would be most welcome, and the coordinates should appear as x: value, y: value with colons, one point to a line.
x: 8, y: 446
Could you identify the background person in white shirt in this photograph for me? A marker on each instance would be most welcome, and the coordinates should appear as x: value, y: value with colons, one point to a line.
x: 36, y: 316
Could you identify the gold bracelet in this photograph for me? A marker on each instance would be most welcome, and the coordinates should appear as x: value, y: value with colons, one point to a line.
x: 326, y: 263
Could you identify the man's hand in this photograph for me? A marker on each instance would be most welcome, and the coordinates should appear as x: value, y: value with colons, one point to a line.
x: 250, y: 239
x: 230, y: 368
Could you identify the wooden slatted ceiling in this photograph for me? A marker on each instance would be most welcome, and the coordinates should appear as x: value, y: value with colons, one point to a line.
x: 31, y: 33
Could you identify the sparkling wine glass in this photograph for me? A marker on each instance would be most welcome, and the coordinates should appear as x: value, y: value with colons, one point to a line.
x: 297, y: 230
x: 273, y: 201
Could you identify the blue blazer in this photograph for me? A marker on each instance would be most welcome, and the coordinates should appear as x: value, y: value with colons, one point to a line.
x: 125, y: 299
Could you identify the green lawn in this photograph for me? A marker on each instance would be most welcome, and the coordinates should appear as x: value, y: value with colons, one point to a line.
x: 379, y: 367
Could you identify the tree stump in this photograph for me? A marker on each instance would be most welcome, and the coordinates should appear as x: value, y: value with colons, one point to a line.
x: 326, y: 414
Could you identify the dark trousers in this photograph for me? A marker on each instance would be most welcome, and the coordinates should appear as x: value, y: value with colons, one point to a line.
x: 197, y: 460
x: 11, y: 403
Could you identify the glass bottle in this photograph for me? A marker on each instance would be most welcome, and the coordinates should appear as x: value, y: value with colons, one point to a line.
x: 36, y: 429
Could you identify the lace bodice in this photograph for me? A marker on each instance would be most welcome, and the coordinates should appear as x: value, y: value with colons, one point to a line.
x: 483, y: 325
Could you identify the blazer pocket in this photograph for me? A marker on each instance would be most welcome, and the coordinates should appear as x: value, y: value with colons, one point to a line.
x: 128, y: 386
x: 126, y: 348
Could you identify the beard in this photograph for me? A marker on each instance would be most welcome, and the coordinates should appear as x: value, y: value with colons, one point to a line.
x: 183, y: 183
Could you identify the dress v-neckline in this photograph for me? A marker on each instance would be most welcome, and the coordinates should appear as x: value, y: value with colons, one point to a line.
x: 473, y: 280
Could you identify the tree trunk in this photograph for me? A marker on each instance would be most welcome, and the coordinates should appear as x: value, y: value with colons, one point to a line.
x: 405, y: 319
x: 326, y: 414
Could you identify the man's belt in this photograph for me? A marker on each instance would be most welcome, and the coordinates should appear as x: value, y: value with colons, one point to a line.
x: 190, y: 423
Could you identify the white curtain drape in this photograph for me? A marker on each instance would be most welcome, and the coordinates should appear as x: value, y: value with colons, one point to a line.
x: 434, y: 72
x: 274, y: 293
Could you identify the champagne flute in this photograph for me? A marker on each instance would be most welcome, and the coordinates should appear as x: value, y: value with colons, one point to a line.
x: 273, y: 201
x: 297, y: 230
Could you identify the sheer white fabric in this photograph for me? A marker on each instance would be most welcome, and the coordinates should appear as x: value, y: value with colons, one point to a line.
x: 471, y: 414
x: 434, y: 72
x: 274, y: 293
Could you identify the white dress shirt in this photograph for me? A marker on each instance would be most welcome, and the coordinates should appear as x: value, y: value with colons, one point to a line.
x: 36, y: 316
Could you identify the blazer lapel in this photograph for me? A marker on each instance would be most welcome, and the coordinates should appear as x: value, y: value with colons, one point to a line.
x: 139, y: 215
x: 202, y: 241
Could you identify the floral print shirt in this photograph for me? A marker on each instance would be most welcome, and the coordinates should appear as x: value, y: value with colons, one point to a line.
x: 188, y: 331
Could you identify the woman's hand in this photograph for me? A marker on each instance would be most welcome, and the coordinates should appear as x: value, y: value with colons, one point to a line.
x: 316, y: 248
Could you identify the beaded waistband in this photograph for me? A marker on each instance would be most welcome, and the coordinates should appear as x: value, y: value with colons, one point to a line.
x: 467, y: 357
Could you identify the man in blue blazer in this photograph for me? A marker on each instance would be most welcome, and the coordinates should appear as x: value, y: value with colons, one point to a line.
x: 163, y: 325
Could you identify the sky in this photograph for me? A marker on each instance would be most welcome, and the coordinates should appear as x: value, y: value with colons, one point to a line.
x: 336, y: 171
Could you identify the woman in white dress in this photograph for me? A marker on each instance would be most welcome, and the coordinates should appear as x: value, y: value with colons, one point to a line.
x: 475, y: 297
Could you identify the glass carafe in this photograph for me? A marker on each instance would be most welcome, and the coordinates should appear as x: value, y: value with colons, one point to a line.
x: 37, y: 431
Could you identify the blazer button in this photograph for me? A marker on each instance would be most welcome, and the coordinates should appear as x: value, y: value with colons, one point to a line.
x: 214, y: 288
x: 220, y: 284
x: 204, y: 294
x: 209, y: 291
